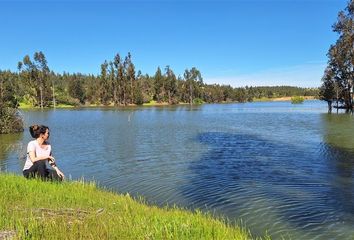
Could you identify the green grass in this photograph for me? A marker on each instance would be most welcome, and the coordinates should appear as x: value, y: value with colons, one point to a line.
x: 24, y: 105
x: 61, y: 105
x: 32, y: 209
x: 151, y: 103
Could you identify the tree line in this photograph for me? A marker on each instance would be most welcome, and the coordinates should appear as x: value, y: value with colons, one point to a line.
x: 338, y: 77
x: 119, y: 84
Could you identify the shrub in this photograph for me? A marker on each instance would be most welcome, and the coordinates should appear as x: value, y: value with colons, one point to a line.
x: 10, y: 120
x: 297, y: 100
x: 198, y: 101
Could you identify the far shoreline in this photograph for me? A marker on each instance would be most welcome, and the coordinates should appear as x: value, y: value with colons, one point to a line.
x: 282, y: 99
x: 157, y: 104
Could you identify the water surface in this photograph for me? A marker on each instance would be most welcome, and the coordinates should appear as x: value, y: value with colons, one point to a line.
x: 284, y: 168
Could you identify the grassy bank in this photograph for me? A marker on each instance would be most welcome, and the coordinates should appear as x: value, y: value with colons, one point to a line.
x: 32, y: 209
x: 264, y: 99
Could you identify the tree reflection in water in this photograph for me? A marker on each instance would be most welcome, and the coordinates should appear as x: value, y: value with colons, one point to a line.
x: 12, y: 152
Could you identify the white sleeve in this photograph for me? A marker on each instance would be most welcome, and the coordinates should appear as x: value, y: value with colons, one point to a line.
x: 31, y: 147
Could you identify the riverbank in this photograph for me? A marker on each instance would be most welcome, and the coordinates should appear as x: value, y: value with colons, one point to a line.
x: 281, y: 99
x: 32, y: 209
x: 156, y: 104
x: 150, y: 104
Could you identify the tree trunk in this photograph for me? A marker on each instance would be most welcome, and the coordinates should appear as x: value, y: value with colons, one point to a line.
x: 190, y: 94
x: 329, y: 106
x: 115, y: 97
x: 131, y: 92
x: 53, y: 94
x: 41, y: 93
x: 1, y: 91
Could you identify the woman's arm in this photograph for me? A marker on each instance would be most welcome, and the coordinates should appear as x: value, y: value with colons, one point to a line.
x: 34, y: 159
x: 54, y: 166
x: 60, y: 173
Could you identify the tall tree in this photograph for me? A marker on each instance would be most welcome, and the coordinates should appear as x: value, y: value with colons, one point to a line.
x: 171, y: 85
x: 104, y: 85
x: 340, y: 69
x: 42, y: 73
x: 130, y: 70
x: 194, y: 82
x: 36, y: 74
x: 119, y: 80
x: 158, y: 85
x: 76, y: 89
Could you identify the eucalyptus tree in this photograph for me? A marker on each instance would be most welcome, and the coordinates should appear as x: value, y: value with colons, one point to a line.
x: 42, y: 74
x: 27, y: 75
x: 130, y: 77
x: 158, y: 85
x: 111, y: 80
x: 125, y: 84
x: 115, y: 82
x: 171, y: 85
x: 138, y: 89
x: 76, y: 88
x: 147, y: 87
x: 91, y: 90
x: 328, y: 90
x: 194, y: 82
x: 118, y: 84
x: 189, y: 85
x: 36, y: 76
x: 105, y: 93
x: 339, y: 73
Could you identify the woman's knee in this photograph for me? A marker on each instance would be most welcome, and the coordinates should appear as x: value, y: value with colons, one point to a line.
x: 40, y: 164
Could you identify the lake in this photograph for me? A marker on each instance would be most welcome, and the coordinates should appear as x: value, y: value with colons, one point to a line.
x: 282, y: 168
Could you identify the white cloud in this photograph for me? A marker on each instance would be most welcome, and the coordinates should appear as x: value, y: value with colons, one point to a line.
x: 307, y: 75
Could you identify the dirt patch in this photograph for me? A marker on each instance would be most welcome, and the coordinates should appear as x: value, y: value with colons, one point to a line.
x: 7, y: 234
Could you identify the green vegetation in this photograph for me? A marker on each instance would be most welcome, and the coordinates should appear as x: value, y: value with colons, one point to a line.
x: 10, y: 119
x: 297, y: 100
x: 339, y: 74
x: 32, y: 209
x: 198, y: 101
x: 119, y: 84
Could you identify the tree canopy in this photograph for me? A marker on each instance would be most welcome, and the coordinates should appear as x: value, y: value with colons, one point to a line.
x: 339, y: 74
x: 120, y: 84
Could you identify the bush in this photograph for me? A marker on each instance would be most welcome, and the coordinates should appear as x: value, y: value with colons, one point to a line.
x: 67, y: 100
x: 10, y: 120
x: 198, y: 101
x: 297, y: 100
x: 29, y: 100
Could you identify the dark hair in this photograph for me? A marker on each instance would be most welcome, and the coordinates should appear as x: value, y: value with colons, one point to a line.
x: 37, y: 130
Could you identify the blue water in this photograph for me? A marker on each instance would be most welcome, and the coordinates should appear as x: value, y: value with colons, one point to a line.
x: 282, y: 168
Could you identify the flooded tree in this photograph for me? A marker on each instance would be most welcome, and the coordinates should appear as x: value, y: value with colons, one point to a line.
x: 339, y: 74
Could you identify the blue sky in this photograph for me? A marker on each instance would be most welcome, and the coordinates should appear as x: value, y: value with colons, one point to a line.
x: 256, y: 42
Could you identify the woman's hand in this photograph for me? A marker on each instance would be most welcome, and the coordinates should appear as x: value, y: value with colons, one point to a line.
x: 60, y: 174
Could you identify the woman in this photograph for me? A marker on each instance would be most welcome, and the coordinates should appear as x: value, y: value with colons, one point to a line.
x: 39, y: 152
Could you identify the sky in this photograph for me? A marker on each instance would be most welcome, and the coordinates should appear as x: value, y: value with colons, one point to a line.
x: 238, y: 43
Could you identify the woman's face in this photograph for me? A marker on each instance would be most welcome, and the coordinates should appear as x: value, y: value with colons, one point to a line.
x: 45, y: 136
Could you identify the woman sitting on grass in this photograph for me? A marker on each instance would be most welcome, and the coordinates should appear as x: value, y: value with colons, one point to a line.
x: 39, y: 152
